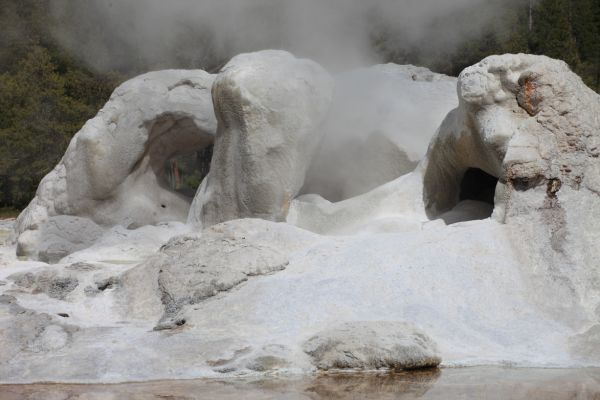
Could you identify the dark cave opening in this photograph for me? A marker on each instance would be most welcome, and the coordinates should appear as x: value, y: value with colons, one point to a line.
x: 476, y: 198
x: 478, y: 185
x: 185, y: 172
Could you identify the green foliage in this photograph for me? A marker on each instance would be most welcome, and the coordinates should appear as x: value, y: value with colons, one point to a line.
x: 45, y: 97
x: 8, y: 212
x: 564, y: 29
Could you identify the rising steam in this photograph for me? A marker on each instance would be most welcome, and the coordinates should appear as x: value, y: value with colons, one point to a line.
x: 155, y: 34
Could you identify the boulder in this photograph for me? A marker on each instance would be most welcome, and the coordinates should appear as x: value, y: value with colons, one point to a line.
x: 270, y: 106
x: 372, y: 345
x: 191, y: 269
x: 115, y: 170
x: 58, y: 237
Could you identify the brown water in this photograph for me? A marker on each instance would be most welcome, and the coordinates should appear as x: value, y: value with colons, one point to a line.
x: 449, y: 384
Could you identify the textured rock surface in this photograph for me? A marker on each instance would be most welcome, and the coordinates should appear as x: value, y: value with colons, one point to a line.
x: 382, y: 120
x: 522, y: 288
x: 59, y: 236
x: 49, y: 282
x: 113, y: 170
x: 26, y: 331
x: 270, y: 106
x: 533, y: 124
x: 372, y: 345
x: 527, y: 120
x: 190, y: 269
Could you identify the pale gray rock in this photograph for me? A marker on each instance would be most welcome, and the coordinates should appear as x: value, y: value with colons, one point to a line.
x: 51, y: 282
x: 525, y: 120
x: 25, y: 331
x: 191, y: 269
x: 372, y: 345
x: 58, y: 237
x: 114, y: 170
x: 520, y: 288
x: 526, y: 140
x: 586, y: 345
x: 269, y: 107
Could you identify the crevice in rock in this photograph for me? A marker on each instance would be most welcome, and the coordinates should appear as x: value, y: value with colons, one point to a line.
x: 478, y: 185
x: 473, y: 194
x: 108, y: 283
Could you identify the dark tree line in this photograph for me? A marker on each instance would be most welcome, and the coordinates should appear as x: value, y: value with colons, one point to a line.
x: 46, y: 94
x: 562, y: 29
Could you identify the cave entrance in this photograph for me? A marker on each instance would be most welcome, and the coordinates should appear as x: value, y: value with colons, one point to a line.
x: 184, y: 172
x: 476, y: 198
x: 478, y: 185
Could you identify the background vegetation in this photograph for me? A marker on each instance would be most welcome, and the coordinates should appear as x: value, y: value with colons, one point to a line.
x: 46, y: 94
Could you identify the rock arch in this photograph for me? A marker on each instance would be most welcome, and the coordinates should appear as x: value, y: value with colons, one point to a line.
x: 113, y: 170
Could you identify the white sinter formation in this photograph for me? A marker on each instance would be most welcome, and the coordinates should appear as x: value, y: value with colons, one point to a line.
x: 486, y: 253
x: 113, y: 172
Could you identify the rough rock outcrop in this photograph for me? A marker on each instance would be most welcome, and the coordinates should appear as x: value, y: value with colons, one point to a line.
x: 525, y: 120
x: 113, y: 171
x: 59, y: 236
x: 191, y: 269
x: 49, y: 282
x: 526, y: 139
x: 380, y: 125
x: 26, y: 331
x: 270, y: 106
x: 245, y: 295
x: 372, y: 345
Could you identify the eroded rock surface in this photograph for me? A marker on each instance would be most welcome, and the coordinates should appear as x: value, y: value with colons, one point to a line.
x: 372, y: 345
x: 26, y: 331
x: 191, y: 269
x: 114, y: 170
x: 526, y: 139
x: 59, y: 236
x: 525, y: 120
x: 244, y: 296
x: 270, y: 106
x: 50, y: 282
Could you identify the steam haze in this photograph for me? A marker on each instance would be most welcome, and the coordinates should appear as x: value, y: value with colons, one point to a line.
x: 111, y: 34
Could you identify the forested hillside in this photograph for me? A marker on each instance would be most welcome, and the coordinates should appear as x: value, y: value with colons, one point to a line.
x: 46, y: 93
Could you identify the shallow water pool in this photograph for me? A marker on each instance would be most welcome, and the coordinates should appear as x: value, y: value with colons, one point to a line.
x: 448, y: 384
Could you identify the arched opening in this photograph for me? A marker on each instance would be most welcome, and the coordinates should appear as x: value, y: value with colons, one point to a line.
x: 476, y: 197
x: 184, y: 172
x: 165, y: 179
x: 478, y: 185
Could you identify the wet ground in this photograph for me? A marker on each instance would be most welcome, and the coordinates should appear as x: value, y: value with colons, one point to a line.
x: 464, y: 383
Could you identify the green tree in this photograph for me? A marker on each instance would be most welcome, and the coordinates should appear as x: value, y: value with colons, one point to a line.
x: 45, y: 97
x: 586, y: 28
x: 552, y: 33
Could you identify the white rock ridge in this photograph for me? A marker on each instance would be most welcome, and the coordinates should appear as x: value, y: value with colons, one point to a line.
x: 113, y: 172
x: 485, y: 254
x: 270, y: 106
